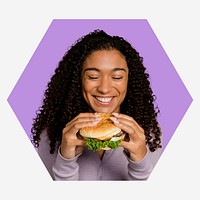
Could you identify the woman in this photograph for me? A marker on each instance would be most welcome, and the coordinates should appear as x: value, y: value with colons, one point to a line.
x: 99, y: 74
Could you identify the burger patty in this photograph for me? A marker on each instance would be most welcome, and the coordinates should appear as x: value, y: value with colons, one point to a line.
x: 119, y: 134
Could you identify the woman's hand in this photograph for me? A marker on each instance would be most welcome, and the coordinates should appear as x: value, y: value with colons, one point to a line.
x: 135, y: 143
x: 72, y: 142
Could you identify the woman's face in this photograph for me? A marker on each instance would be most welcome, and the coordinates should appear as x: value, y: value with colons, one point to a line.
x: 104, y: 80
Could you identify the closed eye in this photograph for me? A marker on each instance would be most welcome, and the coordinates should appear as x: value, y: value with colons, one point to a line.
x: 93, y: 77
x: 117, y: 78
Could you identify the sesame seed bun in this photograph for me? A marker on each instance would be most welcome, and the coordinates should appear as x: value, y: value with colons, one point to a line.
x: 104, y: 130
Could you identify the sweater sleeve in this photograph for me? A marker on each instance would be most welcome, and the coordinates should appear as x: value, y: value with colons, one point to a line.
x: 142, y: 169
x: 58, y: 167
x: 65, y: 169
x: 44, y: 153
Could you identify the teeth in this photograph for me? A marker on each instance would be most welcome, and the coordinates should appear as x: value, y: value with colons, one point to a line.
x: 104, y: 100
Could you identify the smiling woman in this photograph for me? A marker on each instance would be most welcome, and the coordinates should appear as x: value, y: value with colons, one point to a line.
x: 99, y: 74
x: 104, y: 80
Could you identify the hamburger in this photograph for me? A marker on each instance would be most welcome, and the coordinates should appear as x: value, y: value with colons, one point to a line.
x: 105, y: 135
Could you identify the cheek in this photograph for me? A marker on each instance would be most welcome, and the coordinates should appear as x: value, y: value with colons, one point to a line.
x: 87, y: 86
x: 122, y: 88
x: 123, y: 94
x: 84, y: 93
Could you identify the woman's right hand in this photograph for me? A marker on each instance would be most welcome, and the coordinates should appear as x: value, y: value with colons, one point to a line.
x: 72, y: 142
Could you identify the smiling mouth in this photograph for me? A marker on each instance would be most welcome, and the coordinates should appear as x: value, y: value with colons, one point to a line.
x: 104, y: 99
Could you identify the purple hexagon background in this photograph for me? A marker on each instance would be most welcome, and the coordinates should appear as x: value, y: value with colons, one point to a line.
x: 173, y: 98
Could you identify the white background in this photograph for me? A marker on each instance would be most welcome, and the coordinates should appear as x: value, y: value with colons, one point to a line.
x: 22, y: 26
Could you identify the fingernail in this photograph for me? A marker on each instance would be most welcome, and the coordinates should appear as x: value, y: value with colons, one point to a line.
x: 95, y: 122
x: 97, y: 118
x: 96, y: 114
x: 114, y: 120
x: 115, y: 114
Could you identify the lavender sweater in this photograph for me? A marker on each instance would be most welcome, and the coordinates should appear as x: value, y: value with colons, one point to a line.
x: 115, y: 164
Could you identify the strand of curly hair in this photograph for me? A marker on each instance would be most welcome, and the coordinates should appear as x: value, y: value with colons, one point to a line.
x: 63, y: 98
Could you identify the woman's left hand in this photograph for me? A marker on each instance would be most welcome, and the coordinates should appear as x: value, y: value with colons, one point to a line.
x: 135, y: 143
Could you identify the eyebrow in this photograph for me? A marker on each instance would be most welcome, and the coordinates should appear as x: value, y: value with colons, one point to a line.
x: 91, y: 69
x: 96, y: 69
x: 119, y: 69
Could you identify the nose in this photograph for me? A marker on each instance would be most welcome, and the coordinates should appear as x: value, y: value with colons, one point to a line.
x: 104, y: 86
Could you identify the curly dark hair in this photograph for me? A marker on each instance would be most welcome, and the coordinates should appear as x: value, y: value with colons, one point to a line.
x: 63, y: 99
